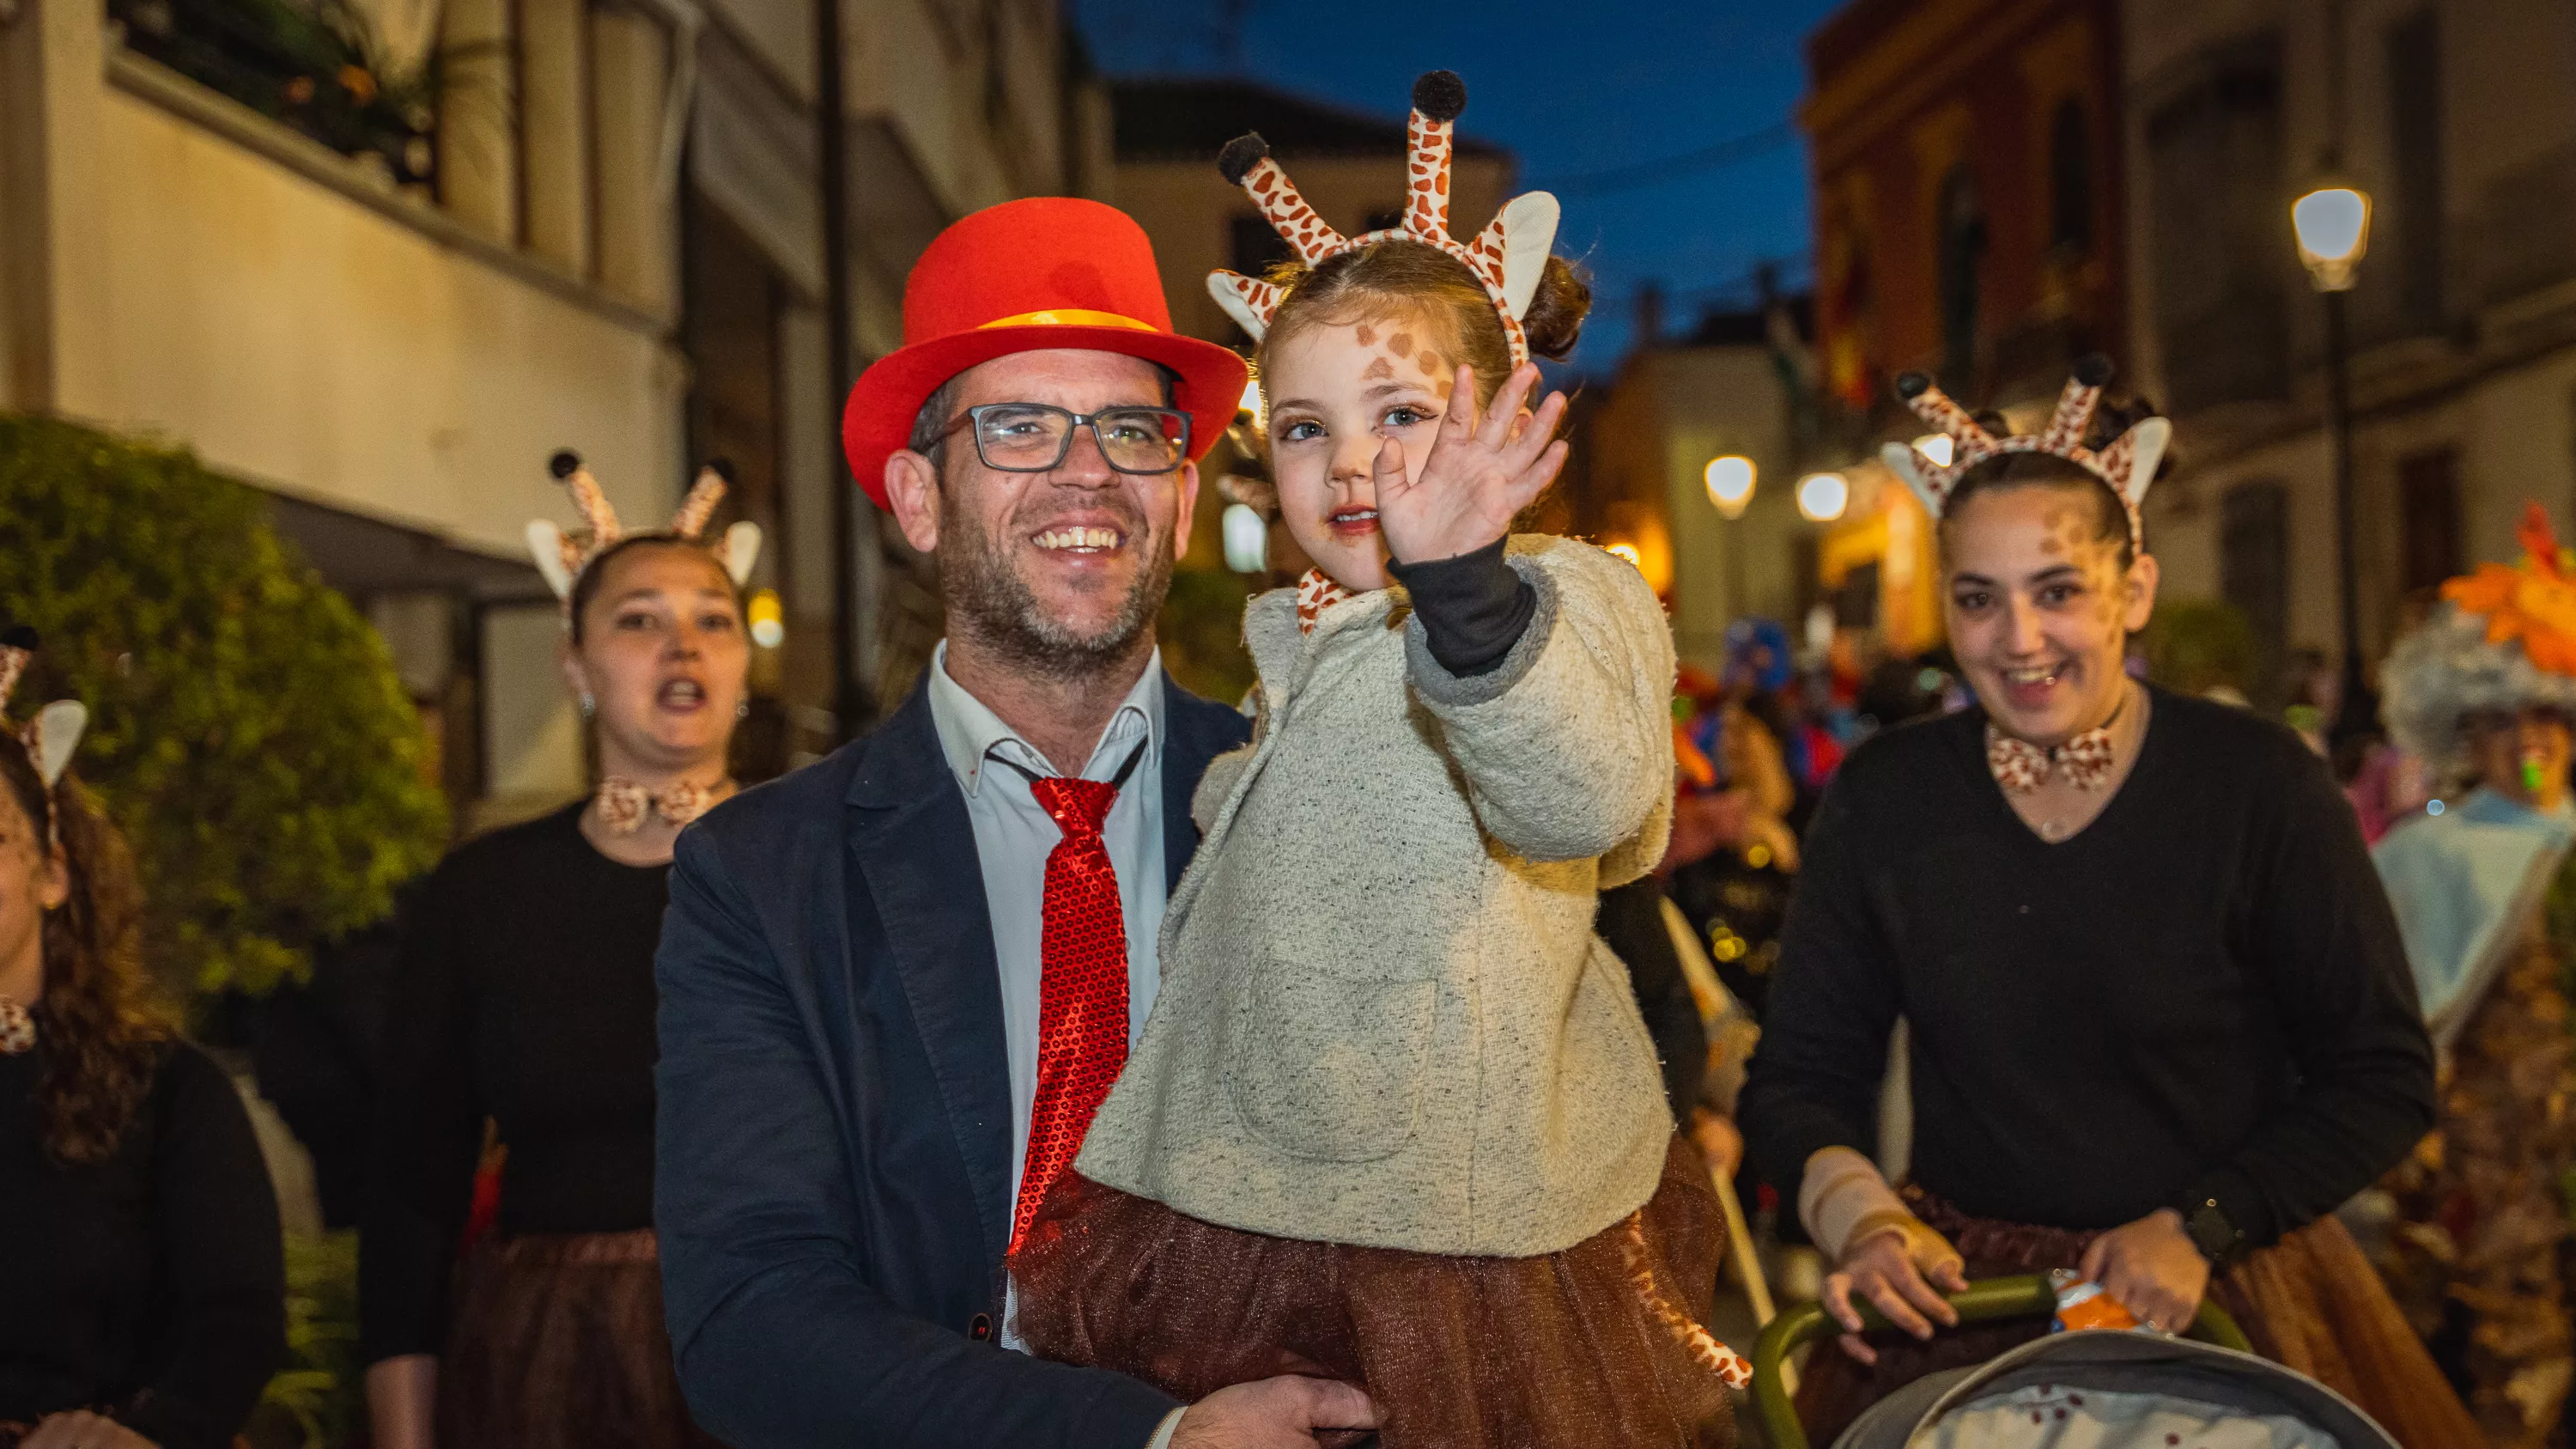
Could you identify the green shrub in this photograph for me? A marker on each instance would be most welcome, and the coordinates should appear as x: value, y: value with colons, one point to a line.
x: 247, y: 730
x: 319, y: 1398
x: 1201, y: 631
x: 2193, y: 645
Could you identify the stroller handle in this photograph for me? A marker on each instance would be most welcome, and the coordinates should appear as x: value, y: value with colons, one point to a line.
x: 1985, y: 1301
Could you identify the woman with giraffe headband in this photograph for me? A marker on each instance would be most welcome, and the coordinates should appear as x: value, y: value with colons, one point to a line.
x: 524, y: 996
x: 2159, y: 1025
x: 143, y: 1292
x: 1395, y: 1118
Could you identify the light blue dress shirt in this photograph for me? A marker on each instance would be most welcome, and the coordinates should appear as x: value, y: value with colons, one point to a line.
x: 1014, y: 835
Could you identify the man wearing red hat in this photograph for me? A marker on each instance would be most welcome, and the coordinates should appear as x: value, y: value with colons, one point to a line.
x: 897, y: 984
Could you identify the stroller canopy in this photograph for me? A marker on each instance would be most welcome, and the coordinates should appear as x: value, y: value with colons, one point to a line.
x: 2117, y: 1390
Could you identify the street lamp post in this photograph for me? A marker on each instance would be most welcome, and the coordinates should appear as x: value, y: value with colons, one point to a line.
x: 1730, y: 488
x: 2333, y: 226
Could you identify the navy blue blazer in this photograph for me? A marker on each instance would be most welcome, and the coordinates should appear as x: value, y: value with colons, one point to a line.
x: 834, y: 1135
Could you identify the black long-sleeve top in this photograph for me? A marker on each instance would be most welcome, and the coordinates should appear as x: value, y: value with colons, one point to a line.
x: 2202, y: 994
x: 150, y: 1286
x: 523, y: 994
x: 1631, y: 919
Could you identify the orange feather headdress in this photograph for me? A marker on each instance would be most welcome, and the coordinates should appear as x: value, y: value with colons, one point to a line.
x: 2534, y: 602
x: 2505, y: 639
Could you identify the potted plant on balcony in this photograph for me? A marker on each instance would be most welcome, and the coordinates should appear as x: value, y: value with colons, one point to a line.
x: 328, y: 68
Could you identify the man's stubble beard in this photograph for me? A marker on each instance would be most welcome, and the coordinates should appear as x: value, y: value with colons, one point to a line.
x: 986, y: 597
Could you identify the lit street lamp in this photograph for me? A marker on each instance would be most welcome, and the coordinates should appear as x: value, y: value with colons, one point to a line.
x: 1822, y: 497
x: 2333, y: 226
x: 1730, y: 487
x: 1730, y: 484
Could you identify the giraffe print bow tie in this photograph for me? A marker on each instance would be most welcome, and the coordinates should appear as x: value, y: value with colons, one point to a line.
x: 1316, y: 592
x: 624, y: 805
x: 2021, y: 767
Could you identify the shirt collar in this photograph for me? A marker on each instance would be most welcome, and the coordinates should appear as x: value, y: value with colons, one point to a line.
x: 970, y: 733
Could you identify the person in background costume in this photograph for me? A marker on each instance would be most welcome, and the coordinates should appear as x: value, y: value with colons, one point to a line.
x: 2160, y: 1020
x: 143, y: 1287
x: 524, y: 996
x: 2486, y: 899
x: 1395, y: 1117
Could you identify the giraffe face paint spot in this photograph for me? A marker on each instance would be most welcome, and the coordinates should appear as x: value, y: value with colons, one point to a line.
x: 1428, y: 361
x: 1400, y: 344
x: 1378, y: 371
x: 1368, y: 337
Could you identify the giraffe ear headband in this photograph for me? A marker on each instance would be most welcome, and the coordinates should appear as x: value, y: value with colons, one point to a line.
x: 55, y: 732
x: 1508, y: 256
x: 2128, y: 465
x: 562, y: 556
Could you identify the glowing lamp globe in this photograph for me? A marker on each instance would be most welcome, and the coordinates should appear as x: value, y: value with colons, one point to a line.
x: 1247, y: 540
x: 1730, y: 484
x: 2333, y: 224
x: 768, y: 619
x: 1822, y: 497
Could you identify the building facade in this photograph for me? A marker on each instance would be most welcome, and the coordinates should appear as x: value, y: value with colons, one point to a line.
x: 2458, y: 120
x: 1731, y: 387
x: 383, y: 269
x: 1967, y: 193
x: 1968, y: 224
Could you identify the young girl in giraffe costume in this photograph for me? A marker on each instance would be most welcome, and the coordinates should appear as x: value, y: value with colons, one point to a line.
x: 1395, y: 1118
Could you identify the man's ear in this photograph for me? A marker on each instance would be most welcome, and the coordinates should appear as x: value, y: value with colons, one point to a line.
x: 1188, y: 511
x: 2143, y: 577
x: 912, y: 485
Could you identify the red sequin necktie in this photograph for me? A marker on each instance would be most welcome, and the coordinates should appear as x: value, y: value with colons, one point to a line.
x: 1082, y: 982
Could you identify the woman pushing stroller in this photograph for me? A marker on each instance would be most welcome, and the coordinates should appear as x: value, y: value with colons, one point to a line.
x: 2161, y: 1022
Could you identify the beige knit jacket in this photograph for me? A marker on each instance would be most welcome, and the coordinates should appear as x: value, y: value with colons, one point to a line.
x: 1384, y: 1018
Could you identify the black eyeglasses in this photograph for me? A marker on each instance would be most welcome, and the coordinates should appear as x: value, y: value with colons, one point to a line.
x: 1034, y: 438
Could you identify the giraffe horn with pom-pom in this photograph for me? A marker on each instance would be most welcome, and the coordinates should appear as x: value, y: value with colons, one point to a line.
x: 700, y: 505
x: 1246, y: 162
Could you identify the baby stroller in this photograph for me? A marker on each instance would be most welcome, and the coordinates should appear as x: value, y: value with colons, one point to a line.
x: 2086, y: 1390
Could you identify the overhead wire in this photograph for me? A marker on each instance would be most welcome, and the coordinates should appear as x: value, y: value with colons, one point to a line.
x: 1646, y: 173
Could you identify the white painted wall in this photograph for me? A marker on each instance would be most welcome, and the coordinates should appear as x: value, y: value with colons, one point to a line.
x: 529, y: 724
x: 297, y: 338
x: 2500, y: 387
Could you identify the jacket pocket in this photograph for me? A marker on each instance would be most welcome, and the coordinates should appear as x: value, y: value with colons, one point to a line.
x: 1328, y: 1068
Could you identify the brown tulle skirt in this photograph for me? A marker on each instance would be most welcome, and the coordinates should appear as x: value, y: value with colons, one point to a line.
x: 558, y: 1343
x: 1550, y: 1352
x: 2310, y: 1302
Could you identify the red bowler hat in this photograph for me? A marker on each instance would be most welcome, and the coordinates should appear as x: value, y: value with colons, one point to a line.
x: 1042, y: 272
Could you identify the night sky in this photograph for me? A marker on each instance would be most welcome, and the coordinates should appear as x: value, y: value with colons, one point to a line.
x: 1588, y: 94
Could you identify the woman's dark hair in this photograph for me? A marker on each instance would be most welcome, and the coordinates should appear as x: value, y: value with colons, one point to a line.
x: 2044, y: 470
x: 102, y: 1033
x: 2047, y: 470
x: 1399, y: 276
x: 586, y: 587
